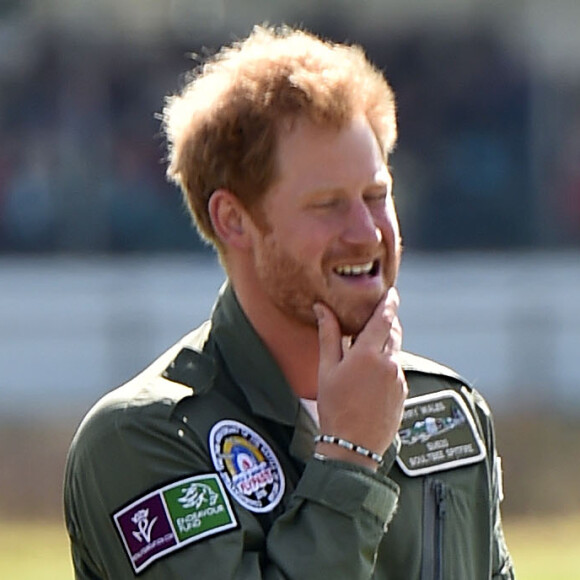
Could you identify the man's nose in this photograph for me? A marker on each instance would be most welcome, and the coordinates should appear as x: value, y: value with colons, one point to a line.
x: 361, y: 227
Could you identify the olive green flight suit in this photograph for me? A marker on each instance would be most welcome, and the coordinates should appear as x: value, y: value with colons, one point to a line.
x: 335, y: 520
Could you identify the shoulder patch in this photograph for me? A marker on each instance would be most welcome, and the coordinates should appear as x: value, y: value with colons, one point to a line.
x: 438, y: 433
x: 247, y: 465
x: 172, y: 517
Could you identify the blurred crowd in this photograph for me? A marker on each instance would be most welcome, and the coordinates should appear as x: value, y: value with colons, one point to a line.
x: 81, y: 156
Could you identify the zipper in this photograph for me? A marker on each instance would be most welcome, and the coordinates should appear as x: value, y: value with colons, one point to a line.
x: 434, y: 512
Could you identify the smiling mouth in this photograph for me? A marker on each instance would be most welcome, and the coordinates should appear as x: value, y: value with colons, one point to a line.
x: 369, y: 269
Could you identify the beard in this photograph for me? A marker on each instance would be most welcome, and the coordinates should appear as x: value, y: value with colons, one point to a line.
x: 294, y: 286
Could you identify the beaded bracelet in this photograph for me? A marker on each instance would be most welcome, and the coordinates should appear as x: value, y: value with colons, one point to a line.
x: 350, y: 446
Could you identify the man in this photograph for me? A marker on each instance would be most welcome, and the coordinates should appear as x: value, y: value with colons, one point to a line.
x: 289, y: 436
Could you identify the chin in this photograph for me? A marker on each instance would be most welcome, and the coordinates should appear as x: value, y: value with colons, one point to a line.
x: 352, y: 314
x: 353, y: 323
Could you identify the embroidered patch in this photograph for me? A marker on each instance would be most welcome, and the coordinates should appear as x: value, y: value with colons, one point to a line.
x: 172, y: 517
x: 247, y: 465
x: 438, y: 433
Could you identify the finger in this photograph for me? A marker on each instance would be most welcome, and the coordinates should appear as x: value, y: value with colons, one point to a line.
x: 395, y: 340
x: 377, y: 330
x: 329, y: 337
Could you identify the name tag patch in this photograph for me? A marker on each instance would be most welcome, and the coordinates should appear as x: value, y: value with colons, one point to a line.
x: 438, y: 433
x: 172, y: 517
x: 247, y: 465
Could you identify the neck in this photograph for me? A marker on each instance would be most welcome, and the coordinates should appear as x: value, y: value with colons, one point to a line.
x: 294, y: 346
x: 295, y: 349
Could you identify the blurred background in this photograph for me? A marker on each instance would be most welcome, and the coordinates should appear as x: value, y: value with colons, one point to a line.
x: 101, y: 270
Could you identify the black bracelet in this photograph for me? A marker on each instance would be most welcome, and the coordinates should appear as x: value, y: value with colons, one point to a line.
x: 350, y: 446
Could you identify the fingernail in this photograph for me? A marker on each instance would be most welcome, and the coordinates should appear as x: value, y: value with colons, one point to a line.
x: 318, y: 312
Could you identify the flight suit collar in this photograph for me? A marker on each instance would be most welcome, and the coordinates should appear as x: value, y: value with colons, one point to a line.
x: 250, y: 363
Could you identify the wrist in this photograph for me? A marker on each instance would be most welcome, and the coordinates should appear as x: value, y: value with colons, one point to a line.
x: 331, y: 447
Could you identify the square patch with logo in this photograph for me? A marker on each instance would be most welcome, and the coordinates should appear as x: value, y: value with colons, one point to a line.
x: 437, y: 433
x: 173, y: 516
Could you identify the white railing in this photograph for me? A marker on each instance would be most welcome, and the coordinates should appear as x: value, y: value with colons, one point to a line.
x: 70, y: 329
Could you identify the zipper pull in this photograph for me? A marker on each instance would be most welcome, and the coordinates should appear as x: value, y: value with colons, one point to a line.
x: 440, y: 492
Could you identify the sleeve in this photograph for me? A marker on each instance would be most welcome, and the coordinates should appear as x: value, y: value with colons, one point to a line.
x: 331, y: 525
x: 502, y: 564
x: 336, y: 520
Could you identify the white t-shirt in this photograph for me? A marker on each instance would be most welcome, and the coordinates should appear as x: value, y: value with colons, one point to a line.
x: 311, y: 407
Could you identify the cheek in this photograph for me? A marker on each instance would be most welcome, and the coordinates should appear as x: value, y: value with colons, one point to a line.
x: 308, y: 243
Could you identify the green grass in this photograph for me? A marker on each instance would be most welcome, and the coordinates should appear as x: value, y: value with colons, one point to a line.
x: 546, y: 548
x: 33, y: 551
x: 541, y: 548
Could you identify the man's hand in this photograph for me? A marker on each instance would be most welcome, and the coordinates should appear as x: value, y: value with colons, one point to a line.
x: 361, y: 387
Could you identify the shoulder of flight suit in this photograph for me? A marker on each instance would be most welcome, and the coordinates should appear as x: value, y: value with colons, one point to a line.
x: 148, y: 398
x: 413, y: 362
x: 149, y: 392
x: 127, y: 443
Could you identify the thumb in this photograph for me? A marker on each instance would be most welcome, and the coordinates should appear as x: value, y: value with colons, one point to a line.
x: 329, y: 338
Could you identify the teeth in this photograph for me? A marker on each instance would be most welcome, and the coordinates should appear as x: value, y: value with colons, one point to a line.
x: 354, y: 270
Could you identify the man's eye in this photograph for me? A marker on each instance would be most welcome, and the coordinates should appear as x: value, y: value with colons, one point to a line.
x: 327, y: 203
x: 376, y: 197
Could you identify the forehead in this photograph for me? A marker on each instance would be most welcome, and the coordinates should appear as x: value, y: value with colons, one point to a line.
x: 310, y: 156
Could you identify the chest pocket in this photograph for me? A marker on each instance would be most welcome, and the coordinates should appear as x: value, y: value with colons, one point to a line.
x: 455, y: 526
x: 441, y: 528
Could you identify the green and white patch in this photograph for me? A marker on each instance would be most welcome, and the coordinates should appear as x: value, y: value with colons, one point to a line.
x: 172, y: 517
x: 437, y: 433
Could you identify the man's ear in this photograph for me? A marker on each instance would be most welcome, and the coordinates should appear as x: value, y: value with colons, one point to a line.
x: 229, y: 219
